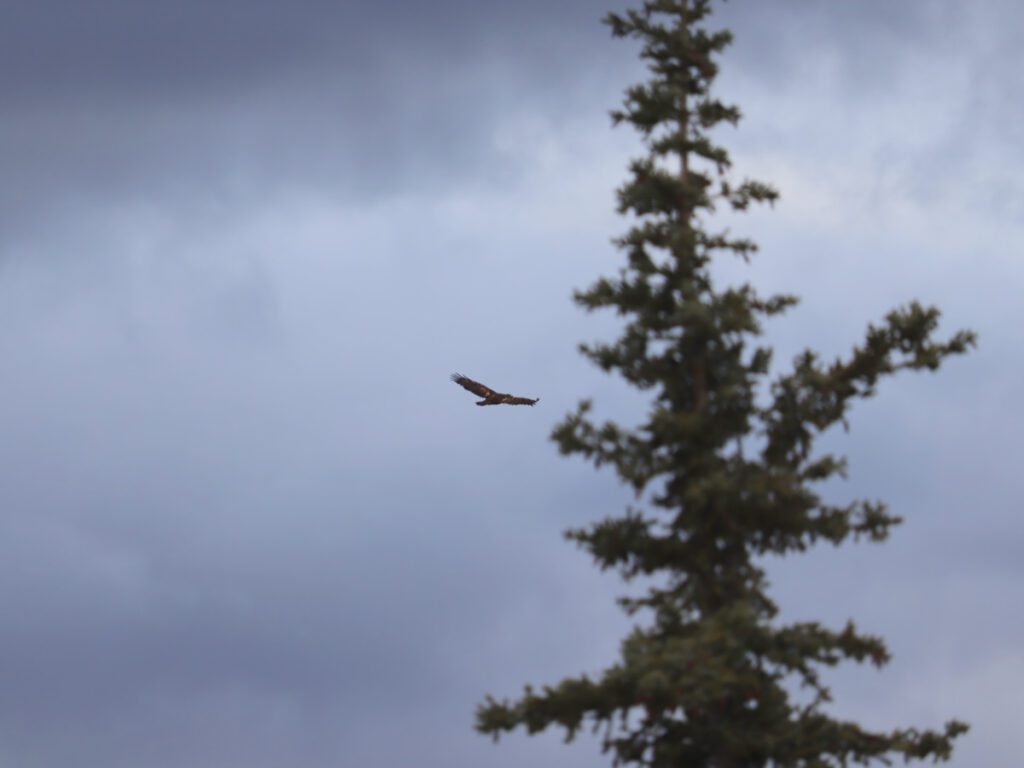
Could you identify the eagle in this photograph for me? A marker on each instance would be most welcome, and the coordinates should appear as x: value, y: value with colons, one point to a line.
x: 490, y: 397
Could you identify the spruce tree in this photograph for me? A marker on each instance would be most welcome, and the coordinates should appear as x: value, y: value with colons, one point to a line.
x: 723, y: 463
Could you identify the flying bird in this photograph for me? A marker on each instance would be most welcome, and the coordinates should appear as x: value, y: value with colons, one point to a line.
x: 490, y: 397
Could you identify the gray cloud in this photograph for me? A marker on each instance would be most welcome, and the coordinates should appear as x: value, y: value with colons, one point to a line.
x: 128, y: 101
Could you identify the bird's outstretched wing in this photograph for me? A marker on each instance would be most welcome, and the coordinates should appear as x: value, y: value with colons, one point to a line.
x: 475, y: 387
x: 520, y: 401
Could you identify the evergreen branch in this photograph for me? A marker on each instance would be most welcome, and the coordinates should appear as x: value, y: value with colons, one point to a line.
x: 814, y: 397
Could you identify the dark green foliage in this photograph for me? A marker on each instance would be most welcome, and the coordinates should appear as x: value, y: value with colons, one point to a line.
x: 725, y: 458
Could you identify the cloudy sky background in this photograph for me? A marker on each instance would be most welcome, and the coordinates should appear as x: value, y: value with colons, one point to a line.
x: 246, y: 518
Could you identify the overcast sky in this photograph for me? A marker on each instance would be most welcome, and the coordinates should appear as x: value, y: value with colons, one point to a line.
x: 248, y: 521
